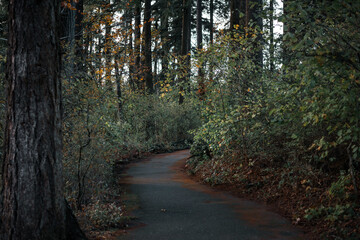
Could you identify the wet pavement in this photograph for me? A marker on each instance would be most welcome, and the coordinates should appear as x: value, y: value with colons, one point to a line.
x: 174, y: 207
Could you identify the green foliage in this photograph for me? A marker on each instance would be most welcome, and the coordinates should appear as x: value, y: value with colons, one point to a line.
x: 159, y: 123
x: 308, y: 110
x: 89, y: 145
x: 230, y: 107
x: 96, y: 133
x: 325, y: 43
x: 339, y: 190
x: 332, y: 214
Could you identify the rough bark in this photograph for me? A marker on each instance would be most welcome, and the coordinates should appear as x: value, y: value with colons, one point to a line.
x: 33, y: 202
x: 33, y: 205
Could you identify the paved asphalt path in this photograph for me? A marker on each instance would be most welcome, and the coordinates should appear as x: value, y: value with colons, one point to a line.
x: 174, y: 207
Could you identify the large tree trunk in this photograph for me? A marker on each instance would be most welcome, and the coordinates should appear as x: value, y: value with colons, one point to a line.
x: 33, y: 201
x: 147, y: 48
x: 33, y: 205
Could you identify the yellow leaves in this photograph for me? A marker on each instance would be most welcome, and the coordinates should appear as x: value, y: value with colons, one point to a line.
x: 99, y: 71
x: 312, y: 146
x: 316, y: 119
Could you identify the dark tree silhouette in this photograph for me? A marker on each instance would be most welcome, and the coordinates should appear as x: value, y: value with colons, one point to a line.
x: 33, y: 205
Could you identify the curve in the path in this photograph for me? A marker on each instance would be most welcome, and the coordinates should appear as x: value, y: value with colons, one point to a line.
x: 173, y: 207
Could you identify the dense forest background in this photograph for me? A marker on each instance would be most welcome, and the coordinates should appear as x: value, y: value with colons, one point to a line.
x: 154, y: 76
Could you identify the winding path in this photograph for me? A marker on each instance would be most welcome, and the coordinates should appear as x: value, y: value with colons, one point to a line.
x: 173, y: 207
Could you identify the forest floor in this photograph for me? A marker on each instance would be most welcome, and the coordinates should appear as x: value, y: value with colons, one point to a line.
x: 291, y: 191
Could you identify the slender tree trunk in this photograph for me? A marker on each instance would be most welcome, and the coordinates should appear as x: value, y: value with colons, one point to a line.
x: 108, y: 48
x: 201, y: 83
x: 33, y: 201
x: 235, y: 13
x: 68, y: 35
x: 164, y: 31
x: 211, y: 66
x: 257, y: 18
x: 137, y: 49
x: 129, y: 46
x: 99, y: 55
x: 199, y: 36
x: 156, y: 58
x: 271, y: 50
x: 211, y: 21
x: 147, y: 49
x: 287, y: 29
x: 185, y: 45
x: 80, y: 51
x: 118, y: 74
